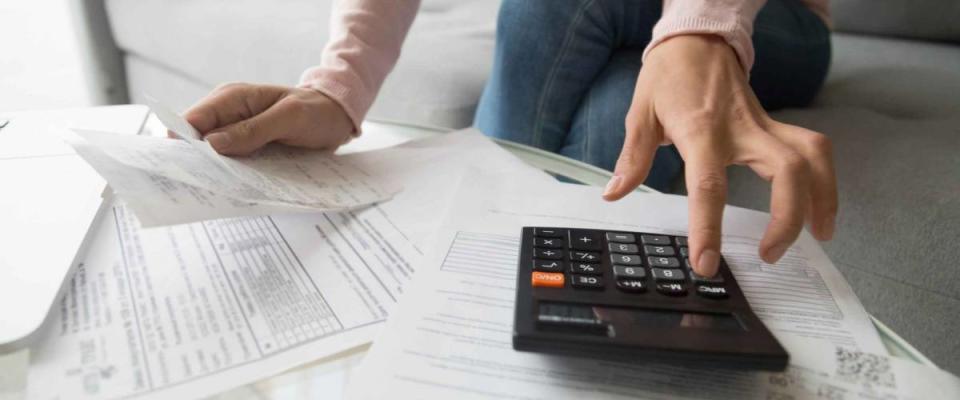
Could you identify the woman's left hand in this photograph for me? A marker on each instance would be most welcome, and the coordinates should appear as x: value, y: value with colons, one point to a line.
x: 693, y: 93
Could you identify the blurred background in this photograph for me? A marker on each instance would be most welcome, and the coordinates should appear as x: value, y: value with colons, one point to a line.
x: 40, y: 65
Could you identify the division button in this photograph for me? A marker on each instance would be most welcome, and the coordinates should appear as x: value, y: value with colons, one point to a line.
x: 657, y: 240
x: 549, y: 232
x: 585, y: 268
x: 587, y: 282
x: 624, y: 248
x: 585, y: 240
x: 547, y: 279
x: 658, y: 250
x: 622, y: 271
x: 666, y: 262
x: 667, y: 275
x: 549, y: 243
x: 624, y: 259
x: 548, y: 254
x: 548, y: 265
x: 713, y: 292
x: 631, y: 285
x: 587, y: 256
x: 671, y: 289
x: 621, y: 237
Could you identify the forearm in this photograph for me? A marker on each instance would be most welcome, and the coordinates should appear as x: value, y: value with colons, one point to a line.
x: 365, y: 41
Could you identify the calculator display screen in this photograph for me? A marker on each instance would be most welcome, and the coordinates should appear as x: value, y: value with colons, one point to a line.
x: 660, y: 319
x: 624, y: 319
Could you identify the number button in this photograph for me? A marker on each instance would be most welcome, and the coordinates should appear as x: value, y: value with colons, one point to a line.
x: 624, y: 248
x: 666, y: 262
x: 624, y: 259
x: 585, y: 268
x: 548, y: 254
x: 548, y: 265
x: 702, y: 279
x: 681, y: 240
x: 685, y: 252
x: 621, y: 237
x: 658, y: 250
x: 621, y: 271
x: 587, y: 256
x: 587, y: 282
x: 550, y: 243
x: 667, y: 275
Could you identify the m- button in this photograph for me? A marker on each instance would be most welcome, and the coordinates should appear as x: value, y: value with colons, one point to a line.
x: 585, y: 240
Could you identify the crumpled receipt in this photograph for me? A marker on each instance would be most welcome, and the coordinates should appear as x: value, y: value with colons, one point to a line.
x: 173, y: 181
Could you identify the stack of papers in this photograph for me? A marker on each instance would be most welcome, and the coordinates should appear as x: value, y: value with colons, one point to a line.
x: 310, y: 253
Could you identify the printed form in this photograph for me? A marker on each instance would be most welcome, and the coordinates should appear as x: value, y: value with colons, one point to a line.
x: 451, y: 338
x: 192, y: 310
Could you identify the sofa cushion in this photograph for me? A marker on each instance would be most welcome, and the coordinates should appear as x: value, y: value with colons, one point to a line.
x: 929, y: 20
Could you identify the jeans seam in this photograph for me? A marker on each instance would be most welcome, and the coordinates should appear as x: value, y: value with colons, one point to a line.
x: 541, y: 103
x: 587, y: 133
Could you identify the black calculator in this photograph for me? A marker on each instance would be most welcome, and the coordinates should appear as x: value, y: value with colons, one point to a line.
x: 633, y: 296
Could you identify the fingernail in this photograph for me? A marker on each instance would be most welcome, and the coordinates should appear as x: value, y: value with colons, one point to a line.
x: 775, y: 252
x: 827, y: 227
x: 612, y: 185
x: 219, y: 140
x: 709, y: 262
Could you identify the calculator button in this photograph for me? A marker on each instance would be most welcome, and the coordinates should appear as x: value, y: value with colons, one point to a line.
x: 548, y: 265
x: 666, y: 262
x: 550, y: 243
x: 549, y: 232
x: 584, y: 240
x: 685, y: 252
x: 624, y: 248
x: 681, y: 240
x: 548, y: 254
x: 658, y: 250
x: 585, y: 268
x: 587, y: 282
x: 631, y: 285
x: 587, y: 256
x: 547, y: 279
x: 658, y: 240
x: 621, y: 237
x: 702, y: 279
x: 713, y: 292
x: 621, y: 271
x: 671, y: 289
x: 624, y: 259
x: 667, y: 275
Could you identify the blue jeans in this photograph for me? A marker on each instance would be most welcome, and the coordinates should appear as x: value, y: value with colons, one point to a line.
x: 564, y: 73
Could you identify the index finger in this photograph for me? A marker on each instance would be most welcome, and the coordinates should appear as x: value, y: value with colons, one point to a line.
x: 706, y: 180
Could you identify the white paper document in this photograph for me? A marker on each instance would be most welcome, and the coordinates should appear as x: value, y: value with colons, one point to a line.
x: 176, y: 181
x: 191, y: 310
x: 451, y: 337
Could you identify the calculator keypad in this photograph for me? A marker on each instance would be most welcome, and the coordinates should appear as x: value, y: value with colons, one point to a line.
x: 636, y: 261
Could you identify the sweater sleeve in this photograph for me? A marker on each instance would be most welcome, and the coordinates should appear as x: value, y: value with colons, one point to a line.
x: 365, y: 41
x: 730, y: 19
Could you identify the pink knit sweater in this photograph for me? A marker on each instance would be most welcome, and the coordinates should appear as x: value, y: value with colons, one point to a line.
x: 366, y: 36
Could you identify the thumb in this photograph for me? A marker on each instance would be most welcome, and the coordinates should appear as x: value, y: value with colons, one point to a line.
x: 642, y: 137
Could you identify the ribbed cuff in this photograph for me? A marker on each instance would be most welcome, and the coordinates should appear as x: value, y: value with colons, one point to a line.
x: 327, y: 82
x: 734, y: 33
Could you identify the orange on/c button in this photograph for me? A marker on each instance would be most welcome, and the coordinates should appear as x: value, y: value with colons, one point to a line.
x: 547, y: 279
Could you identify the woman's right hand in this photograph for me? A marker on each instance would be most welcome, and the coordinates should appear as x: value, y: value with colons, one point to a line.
x: 239, y: 118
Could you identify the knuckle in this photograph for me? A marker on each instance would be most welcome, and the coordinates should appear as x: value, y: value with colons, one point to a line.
x: 230, y: 87
x: 793, y: 163
x: 709, y: 231
x: 713, y: 185
x: 819, y: 144
x: 786, y: 222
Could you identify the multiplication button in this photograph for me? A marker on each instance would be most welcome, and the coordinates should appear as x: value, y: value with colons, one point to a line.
x: 549, y: 243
